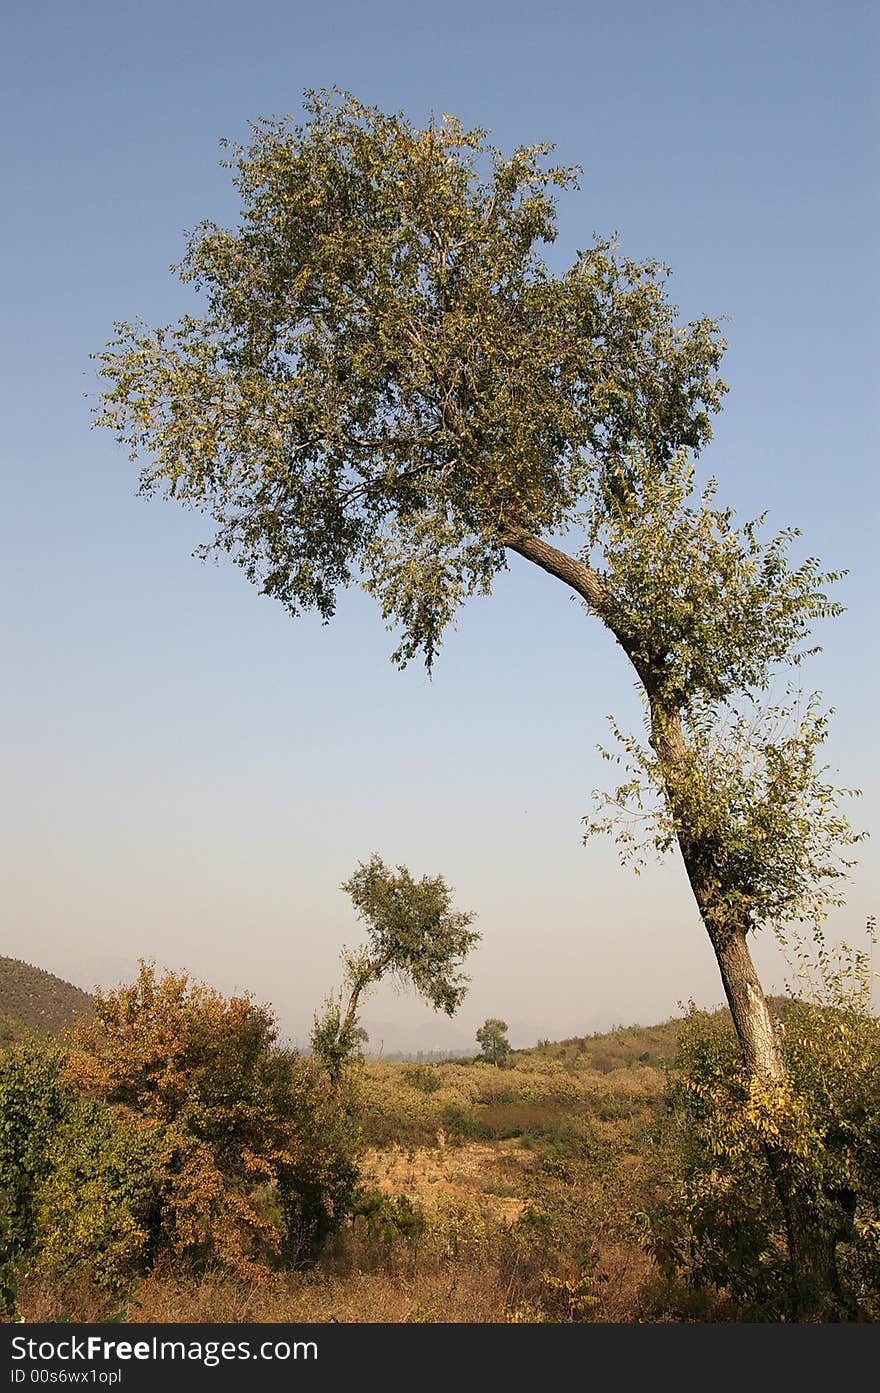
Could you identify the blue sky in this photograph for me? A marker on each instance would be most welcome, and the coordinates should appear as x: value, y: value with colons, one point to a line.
x: 189, y: 774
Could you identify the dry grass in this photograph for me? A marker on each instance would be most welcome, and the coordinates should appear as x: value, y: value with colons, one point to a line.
x: 506, y: 1235
x: 407, y: 1288
x: 432, y: 1176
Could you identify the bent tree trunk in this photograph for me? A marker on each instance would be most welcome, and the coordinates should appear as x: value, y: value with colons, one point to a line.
x: 811, y: 1247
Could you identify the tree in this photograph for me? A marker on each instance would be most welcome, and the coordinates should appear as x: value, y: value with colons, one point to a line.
x: 390, y: 386
x: 493, y: 1041
x: 413, y: 934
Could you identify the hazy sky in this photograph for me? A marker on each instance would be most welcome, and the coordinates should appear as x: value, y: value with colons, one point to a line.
x: 187, y: 773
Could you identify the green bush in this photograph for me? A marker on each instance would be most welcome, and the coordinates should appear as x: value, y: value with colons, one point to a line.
x: 34, y: 1103
x: 462, y: 1124
x: 579, y: 1139
x: 387, y: 1218
x: 8, y: 1263
x: 98, y: 1209
x: 317, y: 1182
x: 423, y: 1078
x: 716, y: 1219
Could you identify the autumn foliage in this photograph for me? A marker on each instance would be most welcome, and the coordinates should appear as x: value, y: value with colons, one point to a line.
x: 182, y: 1133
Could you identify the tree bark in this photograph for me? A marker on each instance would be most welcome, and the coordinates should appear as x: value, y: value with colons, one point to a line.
x: 753, y: 1021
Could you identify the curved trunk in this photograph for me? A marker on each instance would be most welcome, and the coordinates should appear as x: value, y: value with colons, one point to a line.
x: 811, y: 1247
x: 753, y: 1021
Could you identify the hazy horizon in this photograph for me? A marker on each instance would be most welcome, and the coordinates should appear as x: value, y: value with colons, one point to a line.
x: 189, y: 774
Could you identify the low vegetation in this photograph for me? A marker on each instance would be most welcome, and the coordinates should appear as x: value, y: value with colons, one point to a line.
x: 168, y: 1130
x: 167, y: 1162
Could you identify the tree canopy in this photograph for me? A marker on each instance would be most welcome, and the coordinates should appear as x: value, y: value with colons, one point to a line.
x: 388, y: 382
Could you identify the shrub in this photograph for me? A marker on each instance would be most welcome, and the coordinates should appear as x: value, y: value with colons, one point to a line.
x: 461, y: 1124
x: 316, y: 1181
x: 8, y: 1264
x: 423, y: 1078
x: 34, y: 1102
x: 253, y: 1156
x: 715, y: 1221
x: 98, y: 1208
x: 718, y: 1220
x: 388, y: 1218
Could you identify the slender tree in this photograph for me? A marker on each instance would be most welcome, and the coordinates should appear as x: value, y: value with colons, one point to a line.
x: 413, y: 936
x: 389, y: 386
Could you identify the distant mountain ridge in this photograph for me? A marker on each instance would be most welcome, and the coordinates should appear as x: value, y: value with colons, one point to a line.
x: 33, y: 1000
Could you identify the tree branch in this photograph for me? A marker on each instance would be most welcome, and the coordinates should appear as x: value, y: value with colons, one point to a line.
x: 579, y: 577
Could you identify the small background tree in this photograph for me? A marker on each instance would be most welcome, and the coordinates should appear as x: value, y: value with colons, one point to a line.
x: 493, y: 1041
x: 413, y: 935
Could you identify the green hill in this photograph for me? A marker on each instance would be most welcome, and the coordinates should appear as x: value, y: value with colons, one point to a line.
x: 627, y: 1045
x: 34, y: 1001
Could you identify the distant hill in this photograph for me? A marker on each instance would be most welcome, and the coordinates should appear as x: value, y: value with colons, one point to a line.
x: 420, y: 1056
x: 32, y: 1000
x: 620, y: 1048
x: 626, y: 1045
